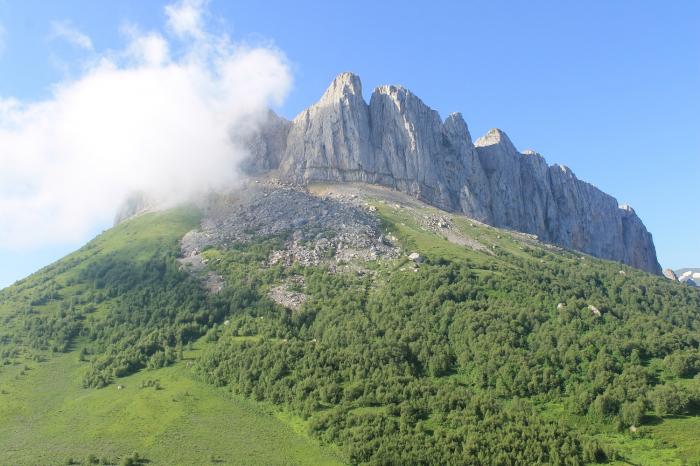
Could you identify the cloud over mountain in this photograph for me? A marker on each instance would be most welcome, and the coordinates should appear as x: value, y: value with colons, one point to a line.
x: 165, y: 114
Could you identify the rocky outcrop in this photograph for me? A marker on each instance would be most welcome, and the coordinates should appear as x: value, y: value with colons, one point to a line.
x: 317, y: 230
x: 670, y: 274
x: 330, y: 139
x: 398, y: 141
x: 341, y: 138
x: 267, y: 146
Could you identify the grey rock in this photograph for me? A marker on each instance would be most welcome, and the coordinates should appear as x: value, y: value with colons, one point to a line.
x: 316, y: 230
x: 404, y: 131
x: 520, y: 200
x: 330, y: 139
x: 670, y: 274
x: 415, y: 257
x: 267, y: 145
x: 398, y: 141
x: 638, y: 249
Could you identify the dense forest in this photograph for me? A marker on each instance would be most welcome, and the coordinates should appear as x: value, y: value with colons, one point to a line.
x: 457, y: 360
x: 444, y: 365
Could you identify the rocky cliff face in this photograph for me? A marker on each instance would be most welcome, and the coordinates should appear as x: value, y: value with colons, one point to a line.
x: 268, y: 145
x: 399, y: 142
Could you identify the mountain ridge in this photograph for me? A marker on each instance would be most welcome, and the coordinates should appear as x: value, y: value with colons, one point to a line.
x: 398, y: 141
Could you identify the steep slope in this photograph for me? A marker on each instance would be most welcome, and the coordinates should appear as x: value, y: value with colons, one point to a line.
x: 165, y: 415
x: 471, y: 345
x: 399, y: 142
x: 118, y: 310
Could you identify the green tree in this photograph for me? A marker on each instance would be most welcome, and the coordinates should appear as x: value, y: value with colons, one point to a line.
x: 669, y: 399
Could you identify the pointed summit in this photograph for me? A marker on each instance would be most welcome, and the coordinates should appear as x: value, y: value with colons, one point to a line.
x: 399, y: 96
x: 330, y: 139
x: 344, y: 84
x: 457, y: 127
x: 493, y: 137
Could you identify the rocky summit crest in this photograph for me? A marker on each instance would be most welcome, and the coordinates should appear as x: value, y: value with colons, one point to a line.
x: 399, y: 142
x: 344, y: 84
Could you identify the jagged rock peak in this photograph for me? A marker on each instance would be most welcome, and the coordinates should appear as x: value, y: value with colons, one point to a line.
x: 457, y: 116
x: 628, y: 208
x: 492, y: 137
x: 455, y: 123
x: 399, y: 95
x: 533, y: 155
x: 670, y: 274
x: 564, y: 169
x: 393, y: 89
x: 398, y: 141
x: 344, y: 84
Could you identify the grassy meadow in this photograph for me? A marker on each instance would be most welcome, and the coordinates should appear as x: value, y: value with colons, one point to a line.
x: 47, y: 418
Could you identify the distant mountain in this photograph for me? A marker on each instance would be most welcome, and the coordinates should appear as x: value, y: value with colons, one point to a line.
x: 399, y: 142
x: 689, y: 275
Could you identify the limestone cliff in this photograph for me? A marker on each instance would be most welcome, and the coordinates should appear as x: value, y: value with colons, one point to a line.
x: 398, y: 141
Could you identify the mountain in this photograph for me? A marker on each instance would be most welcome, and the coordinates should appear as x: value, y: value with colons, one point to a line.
x: 689, y: 276
x: 343, y: 324
x: 398, y: 141
x: 376, y: 292
x: 693, y: 272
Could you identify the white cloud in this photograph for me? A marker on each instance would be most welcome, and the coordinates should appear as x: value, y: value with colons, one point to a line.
x: 137, y: 119
x: 150, y: 48
x: 64, y: 30
x: 185, y: 18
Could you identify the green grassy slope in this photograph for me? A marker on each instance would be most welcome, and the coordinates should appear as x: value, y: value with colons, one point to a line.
x: 465, y: 358
x: 50, y: 292
x: 47, y: 417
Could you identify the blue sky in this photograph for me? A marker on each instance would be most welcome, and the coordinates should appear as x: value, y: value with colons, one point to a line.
x: 611, y: 89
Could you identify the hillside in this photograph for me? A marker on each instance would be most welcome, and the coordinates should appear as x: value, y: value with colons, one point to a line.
x: 52, y: 322
x: 291, y: 327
